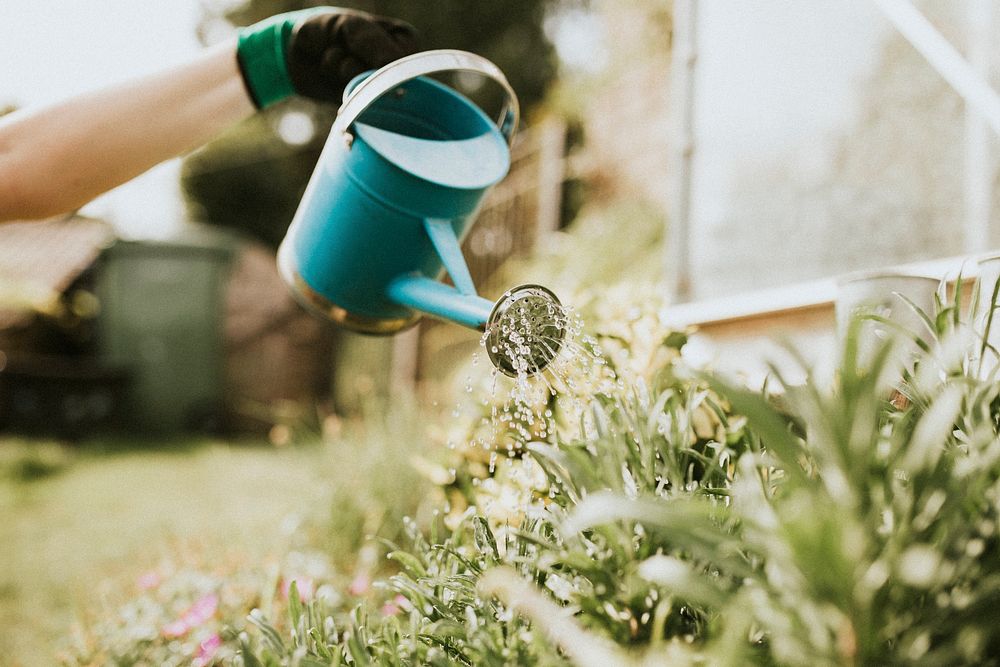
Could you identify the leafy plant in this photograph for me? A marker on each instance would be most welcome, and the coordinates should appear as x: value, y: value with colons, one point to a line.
x: 859, y: 533
x: 682, y: 519
x: 185, y: 611
x: 667, y: 438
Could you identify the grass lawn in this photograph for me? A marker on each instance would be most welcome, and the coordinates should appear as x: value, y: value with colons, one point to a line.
x: 75, y: 516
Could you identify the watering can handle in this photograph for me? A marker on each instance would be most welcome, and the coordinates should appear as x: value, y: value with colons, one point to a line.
x: 419, y: 64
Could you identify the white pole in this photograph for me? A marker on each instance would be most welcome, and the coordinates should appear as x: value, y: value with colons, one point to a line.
x: 551, y: 174
x: 678, y: 270
x: 978, y: 154
x: 949, y: 63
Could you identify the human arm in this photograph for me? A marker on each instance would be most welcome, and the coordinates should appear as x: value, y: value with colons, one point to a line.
x: 55, y: 159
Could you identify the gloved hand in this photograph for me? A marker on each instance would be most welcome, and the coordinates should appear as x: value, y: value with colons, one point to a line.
x: 316, y: 52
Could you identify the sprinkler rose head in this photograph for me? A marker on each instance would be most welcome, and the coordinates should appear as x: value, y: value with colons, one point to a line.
x: 525, y: 330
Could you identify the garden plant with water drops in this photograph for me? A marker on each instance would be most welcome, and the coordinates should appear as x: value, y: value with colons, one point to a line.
x: 507, y: 495
x: 622, y: 509
x: 834, y: 524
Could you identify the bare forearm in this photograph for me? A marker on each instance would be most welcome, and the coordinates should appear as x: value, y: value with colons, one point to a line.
x: 56, y: 159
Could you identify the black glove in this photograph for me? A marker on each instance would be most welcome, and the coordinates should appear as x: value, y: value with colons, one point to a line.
x: 316, y: 52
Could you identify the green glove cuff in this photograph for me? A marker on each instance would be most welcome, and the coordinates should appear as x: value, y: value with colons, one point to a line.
x: 260, y: 51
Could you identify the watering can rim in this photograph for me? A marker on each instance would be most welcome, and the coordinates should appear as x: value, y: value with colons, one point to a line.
x: 369, y: 134
x: 385, y: 79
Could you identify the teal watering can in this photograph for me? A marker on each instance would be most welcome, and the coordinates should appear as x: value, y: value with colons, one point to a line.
x: 396, y: 188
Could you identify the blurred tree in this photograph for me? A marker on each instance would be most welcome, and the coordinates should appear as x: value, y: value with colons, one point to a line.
x: 252, y: 178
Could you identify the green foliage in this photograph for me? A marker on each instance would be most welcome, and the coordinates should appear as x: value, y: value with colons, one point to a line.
x: 578, y: 260
x: 248, y: 180
x: 837, y: 525
x: 875, y: 542
x: 658, y: 435
x: 662, y: 517
x: 25, y: 461
x: 378, y: 485
x: 186, y: 610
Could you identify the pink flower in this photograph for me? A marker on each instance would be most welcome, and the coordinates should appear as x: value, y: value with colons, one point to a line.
x: 202, y: 610
x: 360, y: 585
x: 148, y: 580
x: 206, y: 651
x: 306, y: 587
x: 396, y: 605
x: 175, y: 629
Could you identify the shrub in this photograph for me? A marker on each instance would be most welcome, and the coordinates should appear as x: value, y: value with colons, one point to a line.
x: 189, y: 610
x: 510, y: 485
x: 642, y: 514
x: 839, y: 525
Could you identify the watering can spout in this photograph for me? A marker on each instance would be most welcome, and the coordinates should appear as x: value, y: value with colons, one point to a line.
x: 523, y: 330
x: 434, y: 298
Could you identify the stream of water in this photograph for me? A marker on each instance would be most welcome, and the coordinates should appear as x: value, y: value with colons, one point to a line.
x: 546, y: 370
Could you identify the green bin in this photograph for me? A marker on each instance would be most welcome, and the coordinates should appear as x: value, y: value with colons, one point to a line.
x: 161, y: 316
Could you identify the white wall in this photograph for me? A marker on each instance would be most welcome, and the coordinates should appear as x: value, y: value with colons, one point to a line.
x: 823, y: 144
